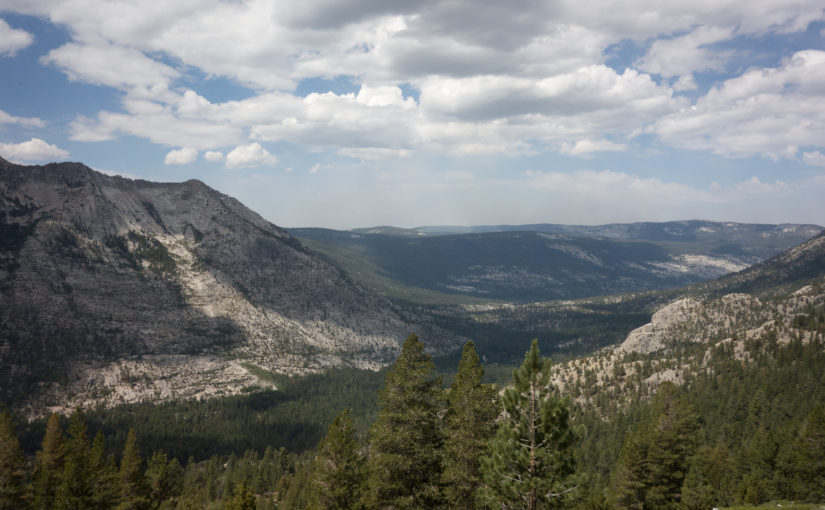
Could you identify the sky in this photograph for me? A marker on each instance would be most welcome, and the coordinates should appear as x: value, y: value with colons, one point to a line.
x: 356, y: 113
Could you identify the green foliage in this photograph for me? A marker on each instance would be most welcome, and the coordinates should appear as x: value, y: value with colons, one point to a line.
x: 13, y: 468
x: 165, y: 479
x: 103, y: 476
x: 807, y: 467
x: 337, y: 477
x: 405, y: 442
x: 294, y: 416
x: 243, y: 499
x: 48, y: 466
x: 145, y: 247
x: 134, y: 489
x: 530, y: 462
x: 468, y: 427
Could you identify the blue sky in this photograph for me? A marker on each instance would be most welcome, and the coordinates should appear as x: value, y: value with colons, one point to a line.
x: 353, y: 113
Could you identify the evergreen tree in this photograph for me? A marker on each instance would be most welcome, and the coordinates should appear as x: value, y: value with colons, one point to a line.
x: 530, y: 462
x: 134, y: 488
x: 104, y: 481
x: 13, y: 466
x: 809, y: 466
x: 243, y: 499
x: 48, y: 466
x: 673, y: 440
x: 165, y: 478
x: 75, y: 489
x: 707, y: 483
x: 405, y: 442
x: 628, y: 487
x: 469, y: 424
x: 337, y: 477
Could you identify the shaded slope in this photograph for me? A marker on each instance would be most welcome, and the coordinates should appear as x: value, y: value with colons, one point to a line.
x: 95, y: 269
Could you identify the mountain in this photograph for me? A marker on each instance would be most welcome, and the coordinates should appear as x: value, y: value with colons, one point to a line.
x: 745, y: 315
x: 757, y: 239
x: 115, y: 290
x: 544, y: 262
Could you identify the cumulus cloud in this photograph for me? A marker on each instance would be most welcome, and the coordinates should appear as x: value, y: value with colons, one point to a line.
x: 181, y: 156
x: 491, y: 81
x: 768, y: 112
x: 251, y: 155
x: 6, y: 118
x: 213, y: 156
x: 585, y: 146
x: 107, y: 64
x: 32, y: 150
x: 814, y: 158
x: 684, y: 55
x: 12, y: 40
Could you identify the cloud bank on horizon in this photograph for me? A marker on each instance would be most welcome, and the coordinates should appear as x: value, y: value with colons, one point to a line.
x: 356, y: 112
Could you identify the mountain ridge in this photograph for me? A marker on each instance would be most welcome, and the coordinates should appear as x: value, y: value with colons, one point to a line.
x: 559, y: 262
x: 99, y: 271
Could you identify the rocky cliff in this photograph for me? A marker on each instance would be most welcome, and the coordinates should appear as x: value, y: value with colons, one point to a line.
x: 115, y: 290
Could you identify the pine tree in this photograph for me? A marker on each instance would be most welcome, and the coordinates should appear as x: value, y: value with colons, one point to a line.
x: 48, y: 466
x: 404, y: 452
x: 243, y: 499
x: 809, y: 468
x: 103, y: 476
x: 628, y: 485
x: 673, y: 440
x: 13, y: 466
x: 337, y: 476
x: 134, y: 488
x: 75, y: 489
x: 530, y: 462
x: 469, y: 425
x: 165, y: 478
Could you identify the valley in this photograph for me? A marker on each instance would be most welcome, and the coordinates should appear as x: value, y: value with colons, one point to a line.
x: 221, y: 339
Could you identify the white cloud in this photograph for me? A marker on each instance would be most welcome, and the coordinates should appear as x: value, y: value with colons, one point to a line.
x: 213, y: 156
x: 490, y: 82
x: 585, y: 146
x: 251, y: 155
x: 33, y: 150
x: 814, y: 158
x: 684, y: 55
x: 768, y: 112
x: 12, y: 40
x: 182, y: 156
x: 6, y: 118
x: 754, y: 186
x: 111, y: 65
x: 616, y: 187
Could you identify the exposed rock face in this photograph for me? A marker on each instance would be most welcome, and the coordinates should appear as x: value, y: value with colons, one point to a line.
x: 654, y: 335
x: 97, y: 269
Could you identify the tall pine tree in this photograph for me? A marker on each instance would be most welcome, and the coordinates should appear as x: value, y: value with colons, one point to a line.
x: 469, y: 424
x: 530, y: 463
x: 404, y: 466
x: 48, y: 466
x: 134, y: 488
x: 75, y: 489
x: 13, y: 466
x: 337, y: 475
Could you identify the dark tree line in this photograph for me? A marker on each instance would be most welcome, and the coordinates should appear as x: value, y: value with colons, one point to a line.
x: 735, y: 432
x: 428, y: 447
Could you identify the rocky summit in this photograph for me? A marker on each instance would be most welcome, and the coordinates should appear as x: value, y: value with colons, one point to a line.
x: 116, y: 290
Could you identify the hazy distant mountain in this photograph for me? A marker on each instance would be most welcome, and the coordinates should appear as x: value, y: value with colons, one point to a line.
x: 118, y: 289
x: 539, y: 262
